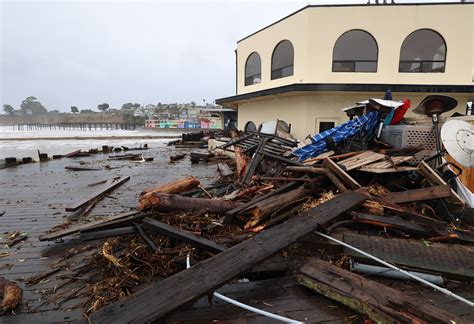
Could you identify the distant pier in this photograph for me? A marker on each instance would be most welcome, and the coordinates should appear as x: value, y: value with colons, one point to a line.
x: 78, y: 126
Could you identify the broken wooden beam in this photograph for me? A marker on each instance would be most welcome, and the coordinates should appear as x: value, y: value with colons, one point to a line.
x: 379, y: 302
x: 224, y: 169
x: 98, y: 194
x: 98, y: 235
x: 436, y: 192
x: 229, y: 215
x: 89, y: 226
x: 265, y: 208
x: 161, y: 297
x: 182, y: 236
x: 394, y: 224
x: 324, y: 171
x: 176, y: 202
x: 343, y: 175
x: 151, y: 244
x: 174, y: 187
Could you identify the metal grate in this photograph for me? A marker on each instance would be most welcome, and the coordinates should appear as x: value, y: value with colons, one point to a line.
x: 454, y: 261
x: 410, y: 135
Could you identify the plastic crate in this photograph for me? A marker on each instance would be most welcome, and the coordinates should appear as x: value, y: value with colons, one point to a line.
x: 411, y: 135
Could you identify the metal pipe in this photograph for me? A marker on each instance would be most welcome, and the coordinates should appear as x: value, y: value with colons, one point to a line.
x: 389, y: 273
x: 248, y: 307
x: 441, y: 289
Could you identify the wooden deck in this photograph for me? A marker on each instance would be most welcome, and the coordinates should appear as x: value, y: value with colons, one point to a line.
x: 34, y: 197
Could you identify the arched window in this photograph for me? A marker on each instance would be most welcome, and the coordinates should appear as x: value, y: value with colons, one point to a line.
x: 282, y: 60
x: 423, y: 50
x: 355, y: 51
x: 253, y: 69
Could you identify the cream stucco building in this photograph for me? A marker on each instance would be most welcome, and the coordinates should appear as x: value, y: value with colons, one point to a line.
x: 309, y: 65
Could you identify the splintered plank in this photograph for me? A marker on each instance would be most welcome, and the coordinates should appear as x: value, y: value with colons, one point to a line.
x: 454, y: 261
x: 359, y: 160
x: 343, y: 175
x: 389, y: 162
x: 162, y: 297
x: 430, y: 174
x: 381, y: 303
x: 395, y: 169
x: 87, y: 226
x: 98, y: 194
x: 436, y: 192
x: 182, y: 236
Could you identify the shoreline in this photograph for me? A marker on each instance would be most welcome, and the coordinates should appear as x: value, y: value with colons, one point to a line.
x: 174, y: 136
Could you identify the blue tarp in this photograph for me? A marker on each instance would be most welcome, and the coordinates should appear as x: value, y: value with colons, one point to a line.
x: 363, y: 125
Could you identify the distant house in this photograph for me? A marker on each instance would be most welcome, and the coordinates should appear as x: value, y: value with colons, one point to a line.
x: 309, y: 65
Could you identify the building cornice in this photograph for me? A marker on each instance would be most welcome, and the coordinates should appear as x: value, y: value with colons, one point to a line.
x: 357, y: 5
x: 354, y: 87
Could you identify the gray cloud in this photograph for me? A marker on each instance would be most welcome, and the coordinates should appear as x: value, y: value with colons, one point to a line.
x: 84, y: 53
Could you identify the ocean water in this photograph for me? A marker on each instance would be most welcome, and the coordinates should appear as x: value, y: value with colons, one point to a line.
x: 15, y: 143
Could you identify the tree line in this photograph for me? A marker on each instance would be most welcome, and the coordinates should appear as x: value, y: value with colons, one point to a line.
x: 32, y: 106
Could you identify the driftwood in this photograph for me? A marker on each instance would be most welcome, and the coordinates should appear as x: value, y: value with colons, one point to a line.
x: 175, y: 202
x: 90, y: 226
x: 161, y: 297
x: 173, y: 187
x: 97, y: 195
x: 240, y: 157
x: 12, y: 295
x: 381, y: 303
x: 265, y: 208
x: 182, y: 236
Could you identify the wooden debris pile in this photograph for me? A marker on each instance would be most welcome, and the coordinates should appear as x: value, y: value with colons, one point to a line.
x: 264, y: 202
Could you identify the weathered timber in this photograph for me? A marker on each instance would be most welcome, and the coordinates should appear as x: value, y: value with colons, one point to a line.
x: 265, y: 208
x: 97, y: 235
x: 239, y: 155
x: 393, y: 223
x: 175, y: 202
x: 100, y: 193
x: 359, y: 160
x: 381, y: 303
x: 343, y: 175
x: 230, y: 214
x: 182, y: 236
x: 224, y: 169
x: 81, y: 168
x: 430, y: 174
x: 73, y: 153
x: 427, y: 193
x: 177, y: 186
x: 151, y: 244
x: 177, y: 157
x: 174, y: 187
x: 255, y: 162
x: 87, y: 226
x: 160, y: 298
x: 324, y: 171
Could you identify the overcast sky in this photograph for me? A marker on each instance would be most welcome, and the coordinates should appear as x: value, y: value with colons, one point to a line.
x: 87, y: 52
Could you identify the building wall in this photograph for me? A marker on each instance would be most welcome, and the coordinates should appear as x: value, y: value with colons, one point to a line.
x: 304, y: 111
x: 314, y: 31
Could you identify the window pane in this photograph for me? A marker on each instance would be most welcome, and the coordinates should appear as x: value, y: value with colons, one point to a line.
x: 365, y: 66
x: 324, y: 126
x: 355, y: 51
x: 423, y: 45
x: 282, y: 60
x: 343, y: 66
x: 425, y: 49
x: 253, y: 68
x: 410, y: 67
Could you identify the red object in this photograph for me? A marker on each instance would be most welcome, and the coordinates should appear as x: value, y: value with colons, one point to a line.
x: 400, y: 112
